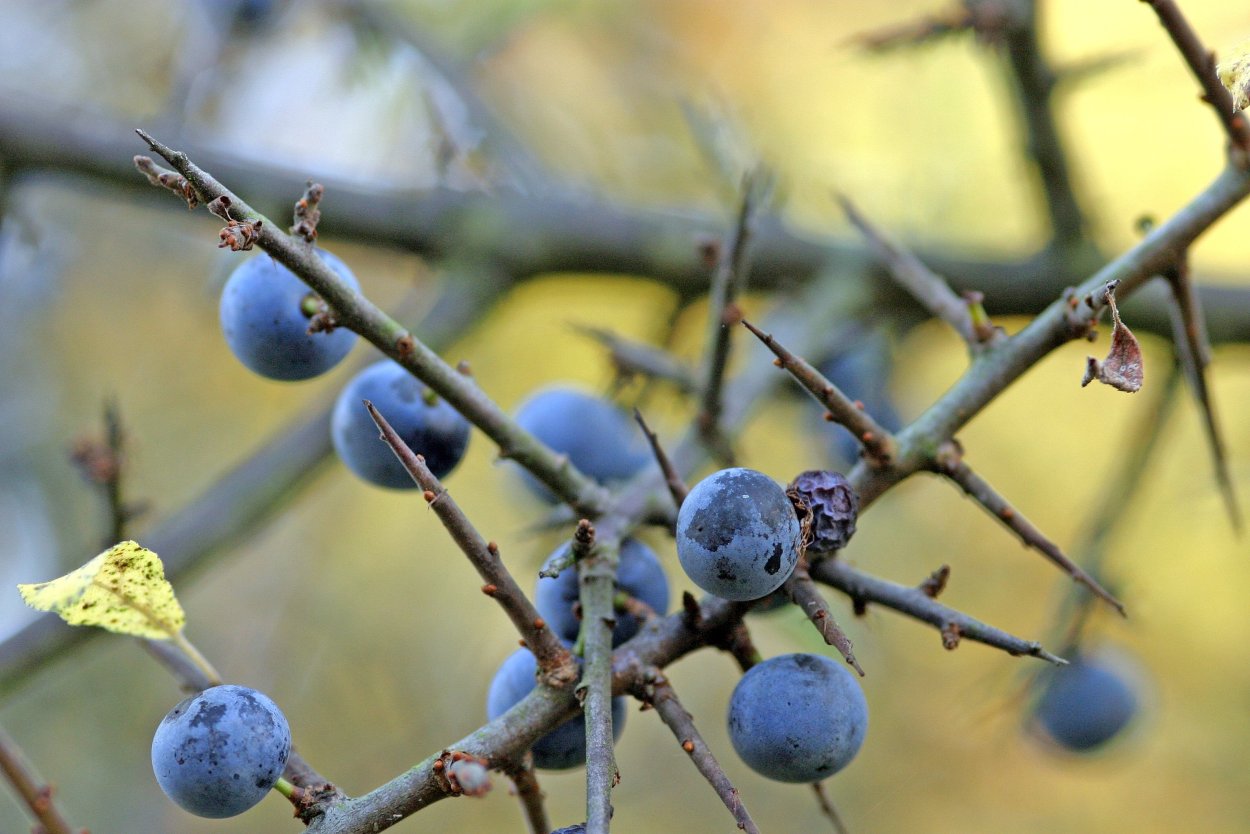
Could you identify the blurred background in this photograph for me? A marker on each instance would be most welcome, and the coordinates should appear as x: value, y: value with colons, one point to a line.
x: 352, y: 609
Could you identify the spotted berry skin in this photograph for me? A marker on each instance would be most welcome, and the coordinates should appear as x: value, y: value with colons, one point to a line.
x: 638, y: 574
x: 797, y: 718
x: 565, y: 746
x: 599, y: 439
x: 218, y: 753
x: 266, y: 326
x: 832, y: 505
x: 427, y: 423
x: 737, y: 534
x: 1086, y: 704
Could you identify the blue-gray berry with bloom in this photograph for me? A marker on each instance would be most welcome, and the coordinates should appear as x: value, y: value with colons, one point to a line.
x: 218, y: 753
x: 265, y: 315
x: 737, y: 534
x: 797, y: 718
x: 1086, y: 704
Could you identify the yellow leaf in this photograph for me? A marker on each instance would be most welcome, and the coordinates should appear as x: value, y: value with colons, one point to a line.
x: 1234, y: 73
x: 122, y: 590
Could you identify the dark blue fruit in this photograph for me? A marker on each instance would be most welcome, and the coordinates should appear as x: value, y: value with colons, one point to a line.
x: 1085, y: 704
x: 425, y: 421
x: 797, y: 718
x: 218, y: 753
x: 264, y: 316
x: 639, y: 574
x: 599, y: 439
x: 737, y: 534
x: 563, y: 747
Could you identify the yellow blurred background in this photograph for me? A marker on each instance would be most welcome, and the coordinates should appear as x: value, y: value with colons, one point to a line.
x: 354, y: 611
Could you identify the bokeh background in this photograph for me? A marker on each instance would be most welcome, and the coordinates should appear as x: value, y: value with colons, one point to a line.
x: 352, y: 609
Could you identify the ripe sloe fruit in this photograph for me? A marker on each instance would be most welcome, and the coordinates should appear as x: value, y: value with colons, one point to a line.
x: 1085, y: 704
x: 639, y: 574
x: 427, y: 423
x: 218, y: 753
x: 266, y: 326
x: 797, y: 718
x: 737, y: 534
x: 563, y: 747
x: 599, y: 439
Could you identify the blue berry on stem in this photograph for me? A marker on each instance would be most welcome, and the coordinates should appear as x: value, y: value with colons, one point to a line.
x: 1086, y: 704
x: 598, y: 438
x: 797, y: 718
x: 565, y: 746
x: 218, y: 753
x: 265, y: 312
x: 638, y: 574
x: 426, y: 422
x: 738, y: 535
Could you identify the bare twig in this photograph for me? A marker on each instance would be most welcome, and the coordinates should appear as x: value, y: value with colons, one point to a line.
x: 1194, y: 354
x: 804, y: 593
x: 657, y: 691
x: 37, y: 798
x: 877, y: 442
x: 597, y: 586
x: 530, y: 793
x: 928, y: 288
x: 980, y: 491
x: 915, y: 603
x: 1201, y: 62
x: 922, y: 31
x: 827, y: 808
x: 630, y: 357
x: 553, y: 658
x: 676, y: 486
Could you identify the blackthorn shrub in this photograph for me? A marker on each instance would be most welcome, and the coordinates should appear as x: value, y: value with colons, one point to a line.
x: 797, y: 718
x: 426, y: 422
x: 218, y: 753
x: 265, y: 312
x: 737, y: 534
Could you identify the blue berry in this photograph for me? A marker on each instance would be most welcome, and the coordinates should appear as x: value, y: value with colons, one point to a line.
x: 218, y: 753
x: 563, y: 747
x: 639, y: 574
x: 426, y: 422
x: 1085, y: 704
x: 737, y: 534
x: 797, y: 718
x: 266, y: 324
x: 599, y: 439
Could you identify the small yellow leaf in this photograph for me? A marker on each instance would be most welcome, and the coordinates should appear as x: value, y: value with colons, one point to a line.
x: 1234, y: 73
x: 122, y: 590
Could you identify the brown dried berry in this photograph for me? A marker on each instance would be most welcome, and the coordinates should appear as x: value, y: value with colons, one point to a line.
x: 832, y: 505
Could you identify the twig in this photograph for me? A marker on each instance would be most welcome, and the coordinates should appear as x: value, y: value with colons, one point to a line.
x: 1201, y: 62
x: 863, y: 588
x: 37, y: 798
x: 984, y: 494
x: 1193, y: 352
x: 729, y: 280
x: 657, y: 691
x: 924, y: 285
x: 630, y: 357
x: 530, y: 793
x: 362, y: 316
x: 877, y: 442
x: 827, y: 808
x: 676, y: 486
x: 923, y: 31
x: 804, y: 593
x: 553, y: 658
x: 103, y: 464
x: 597, y: 586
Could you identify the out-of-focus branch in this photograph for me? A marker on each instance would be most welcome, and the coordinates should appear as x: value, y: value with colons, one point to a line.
x: 676, y: 486
x: 37, y: 798
x: 629, y: 358
x: 530, y: 794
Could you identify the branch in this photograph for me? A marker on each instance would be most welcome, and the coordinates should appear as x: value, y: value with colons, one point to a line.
x: 597, y: 589
x: 915, y: 603
x: 1201, y: 62
x: 528, y: 791
x: 553, y: 658
x: 806, y: 596
x: 657, y: 691
x: 676, y: 486
x: 37, y: 798
x: 629, y: 358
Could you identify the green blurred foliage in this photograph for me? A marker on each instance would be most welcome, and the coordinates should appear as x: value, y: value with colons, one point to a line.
x: 354, y: 611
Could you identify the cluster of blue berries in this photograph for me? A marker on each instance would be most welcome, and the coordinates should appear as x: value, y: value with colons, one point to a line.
x: 266, y: 316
